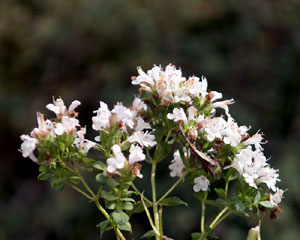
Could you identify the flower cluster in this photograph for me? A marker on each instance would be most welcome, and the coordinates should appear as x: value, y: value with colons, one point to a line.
x: 192, y: 105
x: 172, y: 115
x: 135, y: 131
x: 64, y: 126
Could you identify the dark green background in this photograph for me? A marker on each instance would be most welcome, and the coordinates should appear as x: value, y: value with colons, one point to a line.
x: 88, y: 49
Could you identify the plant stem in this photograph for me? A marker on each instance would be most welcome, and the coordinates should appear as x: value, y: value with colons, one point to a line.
x: 81, y: 191
x: 102, y: 210
x: 226, y: 187
x: 216, y: 221
x: 203, y: 216
x: 139, y: 193
x: 95, y: 198
x: 149, y: 217
x: 173, y: 187
x: 155, y: 207
x: 160, y: 220
x: 222, y: 218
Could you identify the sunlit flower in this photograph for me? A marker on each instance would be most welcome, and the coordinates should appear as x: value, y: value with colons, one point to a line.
x: 136, y: 154
x: 116, y: 162
x: 143, y: 138
x: 124, y: 114
x: 102, y: 118
x: 201, y: 183
x: 178, y: 115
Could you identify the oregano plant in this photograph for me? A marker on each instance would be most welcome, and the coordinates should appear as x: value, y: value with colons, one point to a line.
x: 172, y: 116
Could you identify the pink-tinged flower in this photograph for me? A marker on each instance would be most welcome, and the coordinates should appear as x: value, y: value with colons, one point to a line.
x: 28, y: 146
x: 176, y: 165
x: 201, y: 183
x: 102, y: 118
x: 138, y: 105
x: 124, y: 115
x: 136, y: 154
x: 67, y: 125
x: 116, y: 162
x: 144, y: 139
x: 81, y: 143
x: 276, y: 198
x: 178, y: 115
x: 59, y: 108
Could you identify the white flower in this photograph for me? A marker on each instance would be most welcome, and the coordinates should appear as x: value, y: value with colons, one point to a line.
x: 136, y: 154
x: 141, y: 124
x: 144, y: 139
x: 253, y: 166
x: 214, y: 127
x: 102, y: 118
x: 178, y: 115
x: 73, y: 105
x: 224, y: 104
x: 201, y: 183
x: 58, y: 106
x: 256, y: 140
x: 28, y: 146
x: 124, y: 114
x: 67, y: 125
x: 275, y: 198
x: 81, y: 143
x: 176, y: 165
x: 116, y: 162
x: 138, y: 105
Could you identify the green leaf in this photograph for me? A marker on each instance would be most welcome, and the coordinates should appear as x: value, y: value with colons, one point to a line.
x: 196, y: 236
x: 257, y: 197
x: 239, y: 206
x: 112, y: 183
x: 266, y: 204
x: 159, y: 133
x: 223, y: 202
x: 110, y: 205
x: 162, y: 151
x: 108, y: 196
x: 172, y: 201
x: 125, y: 227
x: 127, y: 206
x: 88, y: 161
x: 104, y: 227
x: 101, y: 179
x: 149, y: 234
x: 99, y: 165
x: 120, y: 218
x: 221, y: 193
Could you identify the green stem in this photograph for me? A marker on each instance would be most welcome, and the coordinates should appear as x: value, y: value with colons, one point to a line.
x: 155, y: 207
x: 95, y: 198
x: 149, y: 217
x: 226, y: 187
x: 139, y: 193
x: 81, y: 191
x: 173, y: 187
x: 160, y: 220
x: 203, y: 216
x: 102, y: 210
x: 215, y: 221
x: 222, y: 218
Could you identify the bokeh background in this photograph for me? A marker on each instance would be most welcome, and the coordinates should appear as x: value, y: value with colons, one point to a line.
x: 89, y: 49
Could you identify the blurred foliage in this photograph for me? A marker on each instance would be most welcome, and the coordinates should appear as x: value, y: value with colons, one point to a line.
x: 88, y: 49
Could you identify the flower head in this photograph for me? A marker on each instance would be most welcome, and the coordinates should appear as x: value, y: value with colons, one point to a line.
x: 201, y: 183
